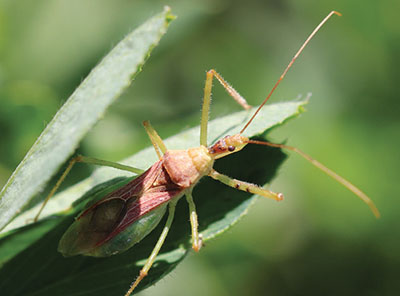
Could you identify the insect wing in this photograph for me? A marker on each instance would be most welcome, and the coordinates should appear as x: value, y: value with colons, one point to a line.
x: 122, y: 218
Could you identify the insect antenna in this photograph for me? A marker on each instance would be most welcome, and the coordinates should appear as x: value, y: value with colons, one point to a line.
x: 290, y: 65
x: 326, y: 170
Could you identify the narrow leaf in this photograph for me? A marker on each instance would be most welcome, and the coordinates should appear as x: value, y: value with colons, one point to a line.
x: 80, y: 112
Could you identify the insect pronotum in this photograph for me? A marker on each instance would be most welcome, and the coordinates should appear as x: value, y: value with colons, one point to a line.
x: 138, y: 206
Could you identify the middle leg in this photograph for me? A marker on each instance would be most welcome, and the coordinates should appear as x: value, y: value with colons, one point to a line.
x: 196, y: 239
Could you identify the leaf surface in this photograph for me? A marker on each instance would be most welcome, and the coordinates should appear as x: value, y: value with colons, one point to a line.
x: 46, y: 272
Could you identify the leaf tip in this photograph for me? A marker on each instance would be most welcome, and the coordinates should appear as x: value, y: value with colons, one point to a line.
x: 168, y: 15
x: 302, y: 106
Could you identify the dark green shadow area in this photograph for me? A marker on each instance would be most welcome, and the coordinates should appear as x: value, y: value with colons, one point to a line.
x: 324, y: 267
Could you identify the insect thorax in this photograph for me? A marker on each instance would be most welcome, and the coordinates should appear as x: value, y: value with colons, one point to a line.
x: 186, y: 167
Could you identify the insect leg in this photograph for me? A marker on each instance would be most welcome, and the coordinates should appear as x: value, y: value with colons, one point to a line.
x: 100, y: 162
x: 231, y: 91
x: 245, y: 186
x: 84, y: 159
x: 154, y: 253
x: 196, y: 240
x: 154, y: 138
x: 207, y: 101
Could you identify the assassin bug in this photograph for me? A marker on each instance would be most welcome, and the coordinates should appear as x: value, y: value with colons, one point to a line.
x: 125, y: 216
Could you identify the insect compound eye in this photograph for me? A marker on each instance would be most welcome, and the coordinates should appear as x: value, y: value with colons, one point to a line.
x: 231, y: 148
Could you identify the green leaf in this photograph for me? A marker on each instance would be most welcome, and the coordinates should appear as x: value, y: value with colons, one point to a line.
x: 78, y: 115
x: 40, y: 270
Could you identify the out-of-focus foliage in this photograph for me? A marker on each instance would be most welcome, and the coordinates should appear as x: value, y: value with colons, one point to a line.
x: 83, y: 109
x: 321, y: 239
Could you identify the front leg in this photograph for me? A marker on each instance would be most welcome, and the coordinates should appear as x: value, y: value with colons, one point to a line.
x: 245, y: 186
x: 207, y: 101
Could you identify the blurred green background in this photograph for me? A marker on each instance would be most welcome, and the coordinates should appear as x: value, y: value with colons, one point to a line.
x: 321, y: 240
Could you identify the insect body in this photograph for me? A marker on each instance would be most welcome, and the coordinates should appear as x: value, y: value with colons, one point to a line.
x: 101, y: 230
x: 124, y: 217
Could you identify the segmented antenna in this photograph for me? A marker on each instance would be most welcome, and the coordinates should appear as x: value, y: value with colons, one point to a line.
x: 290, y: 65
x: 327, y: 171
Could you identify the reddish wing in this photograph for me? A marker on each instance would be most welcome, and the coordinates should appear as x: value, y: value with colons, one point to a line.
x: 117, y: 211
x: 130, y: 191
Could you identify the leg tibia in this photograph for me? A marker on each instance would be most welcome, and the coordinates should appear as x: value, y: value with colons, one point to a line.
x: 231, y: 91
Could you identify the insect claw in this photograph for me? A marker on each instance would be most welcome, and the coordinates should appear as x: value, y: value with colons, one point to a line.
x: 197, y: 245
x: 196, y: 248
x: 143, y: 273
